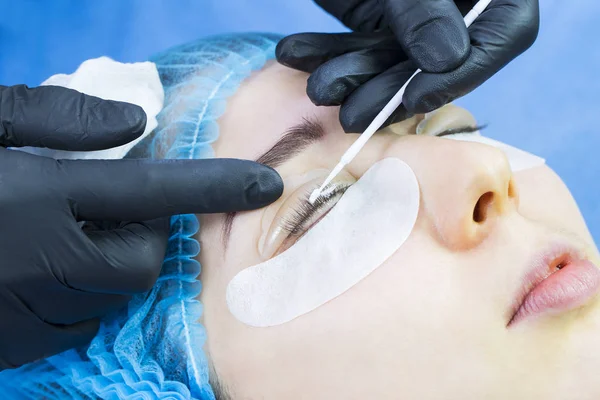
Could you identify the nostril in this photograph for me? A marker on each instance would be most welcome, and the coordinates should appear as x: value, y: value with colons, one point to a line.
x: 481, y: 208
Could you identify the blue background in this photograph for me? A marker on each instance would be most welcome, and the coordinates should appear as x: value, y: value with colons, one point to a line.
x: 546, y: 101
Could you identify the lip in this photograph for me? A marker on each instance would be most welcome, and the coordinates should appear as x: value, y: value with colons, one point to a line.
x: 558, y: 280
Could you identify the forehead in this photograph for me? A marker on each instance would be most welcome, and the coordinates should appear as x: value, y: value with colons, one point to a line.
x: 267, y: 104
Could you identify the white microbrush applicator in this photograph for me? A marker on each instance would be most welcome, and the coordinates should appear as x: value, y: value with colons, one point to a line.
x: 387, y: 111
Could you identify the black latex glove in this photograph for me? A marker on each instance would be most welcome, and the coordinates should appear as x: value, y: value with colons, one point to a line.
x: 56, y: 279
x: 363, y: 70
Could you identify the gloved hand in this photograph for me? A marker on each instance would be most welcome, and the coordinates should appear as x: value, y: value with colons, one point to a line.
x: 363, y: 70
x: 56, y: 278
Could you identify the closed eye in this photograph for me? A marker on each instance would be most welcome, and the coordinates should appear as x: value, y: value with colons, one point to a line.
x: 463, y: 129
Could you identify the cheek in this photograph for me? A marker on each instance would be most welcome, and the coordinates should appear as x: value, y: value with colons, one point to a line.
x: 413, y: 309
x: 544, y: 198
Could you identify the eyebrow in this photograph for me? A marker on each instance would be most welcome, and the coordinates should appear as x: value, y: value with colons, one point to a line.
x: 294, y: 141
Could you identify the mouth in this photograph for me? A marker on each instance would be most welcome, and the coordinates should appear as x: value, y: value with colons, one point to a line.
x: 558, y: 280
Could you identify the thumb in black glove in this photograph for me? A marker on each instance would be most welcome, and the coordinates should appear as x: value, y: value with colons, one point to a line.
x: 363, y: 70
x: 57, y: 279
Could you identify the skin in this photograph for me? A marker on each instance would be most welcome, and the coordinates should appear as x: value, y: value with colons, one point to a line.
x: 431, y: 322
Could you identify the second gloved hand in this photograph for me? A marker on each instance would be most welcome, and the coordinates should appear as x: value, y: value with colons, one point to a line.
x: 363, y: 70
x: 57, y: 279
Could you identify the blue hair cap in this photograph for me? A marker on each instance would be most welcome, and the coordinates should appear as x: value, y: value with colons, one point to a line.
x: 153, y: 348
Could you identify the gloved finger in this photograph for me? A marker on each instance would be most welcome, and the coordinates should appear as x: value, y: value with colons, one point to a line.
x: 64, y: 337
x: 432, y: 32
x: 69, y: 305
x: 363, y: 105
x: 333, y: 81
x: 43, y: 339
x: 122, y: 261
x: 139, y: 190
x: 358, y: 15
x: 494, y: 45
x: 307, y: 51
x: 91, y: 226
x: 64, y: 119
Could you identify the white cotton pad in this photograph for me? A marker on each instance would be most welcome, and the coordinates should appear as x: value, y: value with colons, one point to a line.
x: 519, y: 159
x: 368, y: 224
x: 136, y: 83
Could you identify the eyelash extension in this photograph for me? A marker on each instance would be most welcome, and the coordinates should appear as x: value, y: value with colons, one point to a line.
x: 305, y: 210
x: 465, y: 129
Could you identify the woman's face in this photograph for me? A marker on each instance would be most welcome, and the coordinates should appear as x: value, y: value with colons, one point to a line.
x: 432, y: 321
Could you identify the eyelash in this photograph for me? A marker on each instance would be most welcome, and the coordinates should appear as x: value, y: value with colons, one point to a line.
x: 465, y: 129
x: 294, y: 224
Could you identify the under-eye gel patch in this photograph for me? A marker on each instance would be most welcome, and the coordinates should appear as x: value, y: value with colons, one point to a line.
x: 369, y: 223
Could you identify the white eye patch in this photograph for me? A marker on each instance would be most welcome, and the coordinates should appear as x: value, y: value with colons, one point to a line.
x: 369, y: 223
x: 519, y: 159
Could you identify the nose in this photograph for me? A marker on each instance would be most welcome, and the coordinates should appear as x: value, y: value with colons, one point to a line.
x: 466, y: 191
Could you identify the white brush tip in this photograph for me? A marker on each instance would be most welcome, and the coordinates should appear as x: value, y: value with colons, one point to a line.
x: 314, y: 196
